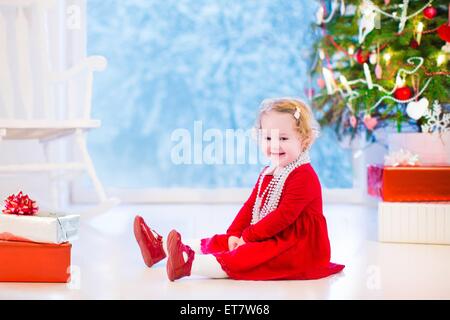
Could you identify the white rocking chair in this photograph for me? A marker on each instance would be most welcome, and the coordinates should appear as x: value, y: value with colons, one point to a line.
x: 35, y: 102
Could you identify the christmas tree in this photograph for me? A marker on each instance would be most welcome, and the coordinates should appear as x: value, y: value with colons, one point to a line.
x: 382, y: 63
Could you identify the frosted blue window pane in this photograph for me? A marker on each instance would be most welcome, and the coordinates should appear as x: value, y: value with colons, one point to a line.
x: 174, y: 62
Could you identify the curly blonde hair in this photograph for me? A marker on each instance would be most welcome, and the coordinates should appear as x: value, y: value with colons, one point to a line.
x: 305, y: 123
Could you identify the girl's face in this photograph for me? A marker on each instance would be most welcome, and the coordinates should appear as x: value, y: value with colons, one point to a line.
x: 281, y: 142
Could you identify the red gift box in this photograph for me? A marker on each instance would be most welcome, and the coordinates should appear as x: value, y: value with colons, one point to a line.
x: 34, y: 262
x: 414, y: 184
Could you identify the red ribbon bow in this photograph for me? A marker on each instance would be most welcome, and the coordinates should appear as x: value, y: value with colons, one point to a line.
x: 20, y: 204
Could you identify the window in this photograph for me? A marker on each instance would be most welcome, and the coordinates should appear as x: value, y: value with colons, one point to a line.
x: 176, y: 63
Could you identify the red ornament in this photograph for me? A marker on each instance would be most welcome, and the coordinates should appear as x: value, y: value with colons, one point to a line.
x: 20, y: 204
x: 430, y: 12
x: 361, y: 56
x: 444, y: 32
x: 321, y: 83
x: 403, y: 93
x: 414, y: 44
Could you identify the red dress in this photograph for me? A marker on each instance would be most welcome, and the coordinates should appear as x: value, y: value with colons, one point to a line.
x: 291, y: 242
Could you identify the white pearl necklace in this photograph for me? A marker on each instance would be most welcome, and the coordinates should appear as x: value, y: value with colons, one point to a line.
x: 275, y: 188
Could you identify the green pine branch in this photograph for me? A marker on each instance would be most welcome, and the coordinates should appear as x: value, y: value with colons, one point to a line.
x: 344, y: 30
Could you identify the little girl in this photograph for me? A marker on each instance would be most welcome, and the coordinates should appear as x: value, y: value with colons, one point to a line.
x: 280, y: 233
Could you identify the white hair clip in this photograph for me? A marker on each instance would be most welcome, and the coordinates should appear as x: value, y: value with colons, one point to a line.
x: 297, y: 113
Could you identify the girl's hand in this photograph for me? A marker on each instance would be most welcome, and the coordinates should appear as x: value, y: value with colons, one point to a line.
x: 232, y: 242
x: 240, y: 242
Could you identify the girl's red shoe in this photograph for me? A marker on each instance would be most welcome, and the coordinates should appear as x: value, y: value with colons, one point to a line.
x: 176, y: 266
x: 149, y: 241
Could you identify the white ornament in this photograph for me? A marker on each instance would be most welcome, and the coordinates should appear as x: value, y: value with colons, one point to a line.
x: 319, y: 15
x: 403, y: 16
x: 446, y: 47
x: 419, y: 30
x: 329, y: 80
x: 367, y: 21
x: 436, y: 119
x: 368, y: 76
x: 373, y: 58
x: 417, y: 109
x: 342, y: 7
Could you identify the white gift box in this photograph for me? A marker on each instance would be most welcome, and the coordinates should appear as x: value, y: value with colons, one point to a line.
x: 432, y: 148
x: 44, y: 227
x: 414, y: 222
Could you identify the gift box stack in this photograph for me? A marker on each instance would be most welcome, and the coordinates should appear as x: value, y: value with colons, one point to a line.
x: 35, y: 246
x: 415, y: 193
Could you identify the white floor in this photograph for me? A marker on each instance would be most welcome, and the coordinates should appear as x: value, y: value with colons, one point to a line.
x: 107, y: 262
